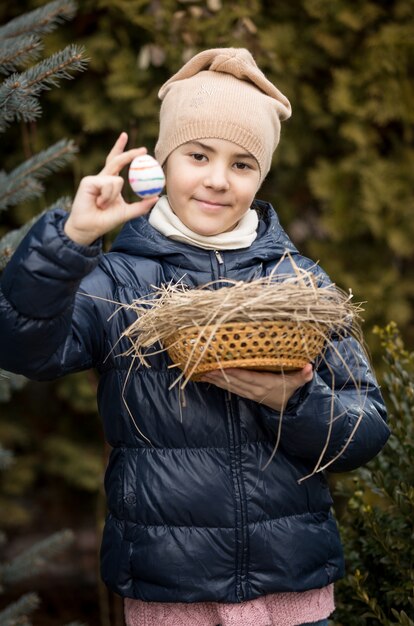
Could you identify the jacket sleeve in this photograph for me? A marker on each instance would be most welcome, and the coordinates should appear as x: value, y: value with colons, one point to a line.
x: 339, y: 417
x: 46, y: 327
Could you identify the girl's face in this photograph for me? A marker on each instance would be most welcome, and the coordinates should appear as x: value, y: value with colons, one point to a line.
x: 211, y: 183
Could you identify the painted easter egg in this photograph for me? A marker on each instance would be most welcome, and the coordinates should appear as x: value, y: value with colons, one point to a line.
x: 146, y: 176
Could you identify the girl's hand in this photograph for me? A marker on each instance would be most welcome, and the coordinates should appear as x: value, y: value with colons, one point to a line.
x: 98, y: 206
x: 273, y: 390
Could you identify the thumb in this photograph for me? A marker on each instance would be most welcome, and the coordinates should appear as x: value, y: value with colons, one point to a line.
x: 302, y: 376
x: 306, y: 373
x: 140, y: 208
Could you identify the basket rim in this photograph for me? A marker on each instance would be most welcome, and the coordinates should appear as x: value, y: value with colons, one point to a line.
x: 263, y: 364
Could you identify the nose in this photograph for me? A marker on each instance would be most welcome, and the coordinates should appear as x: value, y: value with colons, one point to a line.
x: 216, y: 177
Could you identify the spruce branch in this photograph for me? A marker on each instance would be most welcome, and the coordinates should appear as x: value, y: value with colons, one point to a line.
x: 47, y: 161
x: 30, y: 105
x: 18, y: 191
x: 35, y: 559
x: 40, y: 21
x: 64, y: 202
x: 15, y: 53
x: 9, y: 382
x: 16, y: 614
x: 24, y: 181
x: 59, y: 65
x: 19, y: 92
x: 8, y: 245
x: 6, y: 456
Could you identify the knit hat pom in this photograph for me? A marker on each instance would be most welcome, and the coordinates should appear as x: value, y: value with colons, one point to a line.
x: 237, y: 62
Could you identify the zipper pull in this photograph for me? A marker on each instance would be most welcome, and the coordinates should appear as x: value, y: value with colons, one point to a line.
x: 219, y: 257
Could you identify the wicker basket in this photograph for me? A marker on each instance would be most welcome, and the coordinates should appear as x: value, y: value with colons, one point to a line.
x: 272, y: 346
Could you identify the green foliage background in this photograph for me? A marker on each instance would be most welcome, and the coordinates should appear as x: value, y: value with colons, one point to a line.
x: 377, y: 525
x: 342, y: 174
x: 341, y: 180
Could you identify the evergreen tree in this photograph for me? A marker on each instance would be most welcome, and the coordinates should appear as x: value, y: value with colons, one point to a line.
x: 341, y: 178
x: 27, y: 565
x: 377, y: 529
x: 21, y: 44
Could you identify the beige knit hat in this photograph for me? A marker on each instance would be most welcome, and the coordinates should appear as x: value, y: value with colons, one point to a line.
x: 222, y: 94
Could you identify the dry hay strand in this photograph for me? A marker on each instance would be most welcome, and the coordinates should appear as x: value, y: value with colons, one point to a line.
x: 274, y: 323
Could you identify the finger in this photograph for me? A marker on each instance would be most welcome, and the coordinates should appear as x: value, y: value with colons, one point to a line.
x: 222, y: 383
x: 110, y: 191
x: 255, y: 385
x: 219, y: 374
x: 103, y: 199
x: 308, y: 370
x: 117, y: 157
x: 241, y: 373
x: 265, y: 377
x: 139, y: 208
x: 117, y: 162
x: 236, y: 389
x: 118, y: 147
x: 248, y: 377
x: 303, y: 376
x: 226, y: 380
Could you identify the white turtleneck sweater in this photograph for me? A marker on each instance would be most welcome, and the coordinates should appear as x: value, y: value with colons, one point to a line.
x: 163, y: 219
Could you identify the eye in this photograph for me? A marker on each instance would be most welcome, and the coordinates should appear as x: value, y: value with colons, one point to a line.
x: 240, y: 165
x: 198, y: 156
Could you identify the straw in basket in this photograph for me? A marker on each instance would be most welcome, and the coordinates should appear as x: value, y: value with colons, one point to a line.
x: 277, y: 323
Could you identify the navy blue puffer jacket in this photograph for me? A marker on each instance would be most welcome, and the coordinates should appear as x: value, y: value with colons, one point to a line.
x: 192, y: 515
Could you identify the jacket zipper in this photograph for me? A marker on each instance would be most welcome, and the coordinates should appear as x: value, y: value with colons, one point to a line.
x: 241, y: 512
x: 235, y: 467
x: 219, y: 257
x: 218, y: 269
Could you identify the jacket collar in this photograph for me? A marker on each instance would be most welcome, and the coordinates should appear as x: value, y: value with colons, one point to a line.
x: 139, y: 238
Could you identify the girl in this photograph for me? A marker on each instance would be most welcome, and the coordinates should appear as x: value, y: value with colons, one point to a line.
x: 196, y: 532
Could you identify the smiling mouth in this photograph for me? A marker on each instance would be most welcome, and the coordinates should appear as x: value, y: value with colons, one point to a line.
x: 211, y: 204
